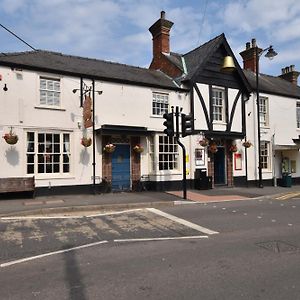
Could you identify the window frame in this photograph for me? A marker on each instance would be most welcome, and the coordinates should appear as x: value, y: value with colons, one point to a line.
x: 265, y: 155
x: 168, y: 154
x: 298, y: 114
x: 50, y: 100
x: 264, y: 111
x: 151, y: 148
x: 217, y: 108
x: 160, y: 104
x: 48, y: 151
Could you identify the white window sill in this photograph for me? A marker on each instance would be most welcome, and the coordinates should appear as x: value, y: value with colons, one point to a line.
x: 219, y: 123
x: 266, y: 171
x: 156, y: 116
x: 50, y: 108
x: 168, y: 173
x: 53, y: 176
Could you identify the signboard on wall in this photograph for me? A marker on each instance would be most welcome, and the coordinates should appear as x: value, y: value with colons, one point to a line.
x: 237, y: 161
x: 199, y: 157
x: 87, y: 112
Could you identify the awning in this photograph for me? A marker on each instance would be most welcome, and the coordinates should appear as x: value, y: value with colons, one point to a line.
x: 107, y: 129
x: 286, y: 147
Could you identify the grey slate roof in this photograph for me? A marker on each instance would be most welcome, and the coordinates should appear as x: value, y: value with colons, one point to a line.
x: 269, y: 84
x: 175, y: 59
x: 195, y: 58
x: 91, y: 68
x: 273, y: 85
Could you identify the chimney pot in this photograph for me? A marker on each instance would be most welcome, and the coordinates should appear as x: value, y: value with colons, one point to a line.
x: 253, y: 43
x: 290, y: 74
x: 160, y: 31
x: 247, y: 45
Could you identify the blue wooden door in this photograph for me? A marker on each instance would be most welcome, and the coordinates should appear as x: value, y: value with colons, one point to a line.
x: 121, y: 168
x: 219, y: 166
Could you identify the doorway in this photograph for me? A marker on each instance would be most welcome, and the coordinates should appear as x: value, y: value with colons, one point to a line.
x: 219, y: 166
x: 121, y: 168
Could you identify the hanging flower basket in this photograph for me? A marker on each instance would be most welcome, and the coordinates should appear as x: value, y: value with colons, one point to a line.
x: 86, y: 142
x: 204, y: 142
x: 11, y: 138
x: 109, y: 148
x: 247, y: 144
x: 213, y: 148
x: 233, y: 148
x: 138, y: 148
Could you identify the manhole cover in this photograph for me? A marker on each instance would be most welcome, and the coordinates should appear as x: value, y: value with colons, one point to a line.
x: 278, y: 247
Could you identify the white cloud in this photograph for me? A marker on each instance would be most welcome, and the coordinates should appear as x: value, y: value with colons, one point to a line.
x: 256, y: 14
x: 289, y: 31
x: 118, y: 29
x: 11, y: 6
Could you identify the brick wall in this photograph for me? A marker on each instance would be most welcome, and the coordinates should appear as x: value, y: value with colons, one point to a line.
x: 229, y: 164
x: 106, y: 160
x: 160, y: 62
x: 135, y: 162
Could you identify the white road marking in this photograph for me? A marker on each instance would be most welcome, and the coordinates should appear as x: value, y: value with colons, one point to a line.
x: 181, y: 202
x: 182, y: 221
x: 39, y: 218
x: 115, y: 212
x: 68, y: 217
x: 162, y: 238
x: 18, y: 261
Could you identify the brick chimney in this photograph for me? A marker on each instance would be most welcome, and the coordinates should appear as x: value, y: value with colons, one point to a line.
x: 160, y: 31
x: 249, y: 55
x: 289, y: 74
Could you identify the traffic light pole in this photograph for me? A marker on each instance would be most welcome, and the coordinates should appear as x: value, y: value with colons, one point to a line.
x: 183, y: 152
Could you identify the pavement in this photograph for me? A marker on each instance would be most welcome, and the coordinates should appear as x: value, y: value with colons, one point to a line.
x: 66, y: 204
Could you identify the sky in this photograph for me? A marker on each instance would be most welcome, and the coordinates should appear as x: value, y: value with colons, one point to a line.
x: 117, y: 30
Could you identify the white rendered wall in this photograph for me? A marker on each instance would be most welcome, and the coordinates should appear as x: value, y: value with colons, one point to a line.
x: 119, y: 104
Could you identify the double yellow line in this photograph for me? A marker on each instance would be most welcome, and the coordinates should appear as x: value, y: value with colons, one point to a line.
x: 288, y: 196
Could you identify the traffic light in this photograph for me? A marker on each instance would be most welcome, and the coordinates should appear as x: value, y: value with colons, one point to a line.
x: 186, y: 124
x: 169, y: 123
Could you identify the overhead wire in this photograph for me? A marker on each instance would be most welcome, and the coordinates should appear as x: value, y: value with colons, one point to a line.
x: 17, y: 37
x: 203, y: 19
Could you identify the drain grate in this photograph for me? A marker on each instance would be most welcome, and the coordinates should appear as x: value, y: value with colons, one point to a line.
x: 279, y: 247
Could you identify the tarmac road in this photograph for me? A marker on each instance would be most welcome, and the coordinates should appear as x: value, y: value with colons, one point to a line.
x: 249, y: 250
